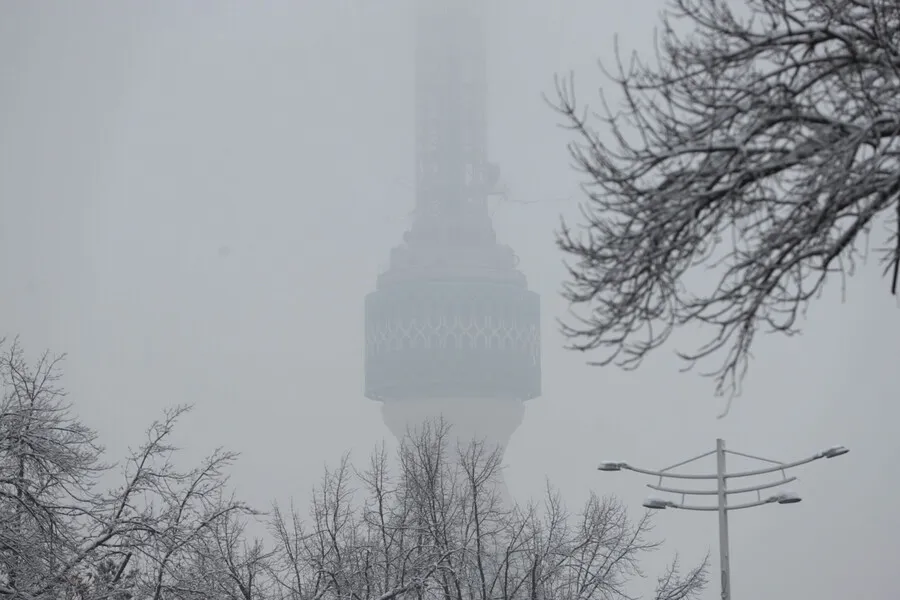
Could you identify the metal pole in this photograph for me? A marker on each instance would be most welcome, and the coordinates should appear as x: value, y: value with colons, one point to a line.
x: 723, y: 520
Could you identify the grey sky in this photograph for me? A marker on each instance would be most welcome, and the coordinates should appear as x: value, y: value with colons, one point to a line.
x: 196, y: 196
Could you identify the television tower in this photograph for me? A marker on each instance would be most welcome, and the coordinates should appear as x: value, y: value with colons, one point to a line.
x: 452, y: 329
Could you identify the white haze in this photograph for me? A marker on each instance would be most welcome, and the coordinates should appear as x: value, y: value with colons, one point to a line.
x: 196, y: 196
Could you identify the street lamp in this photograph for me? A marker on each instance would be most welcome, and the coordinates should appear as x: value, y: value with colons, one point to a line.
x: 721, y: 491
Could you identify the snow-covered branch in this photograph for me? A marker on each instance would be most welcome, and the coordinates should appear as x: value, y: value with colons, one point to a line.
x: 744, y: 167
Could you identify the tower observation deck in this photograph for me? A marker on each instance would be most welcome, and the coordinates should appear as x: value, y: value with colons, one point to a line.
x: 452, y: 328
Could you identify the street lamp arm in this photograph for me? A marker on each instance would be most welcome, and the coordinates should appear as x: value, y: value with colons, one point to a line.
x: 774, y: 469
x: 757, y: 488
x: 664, y: 474
x: 730, y: 507
x: 705, y: 476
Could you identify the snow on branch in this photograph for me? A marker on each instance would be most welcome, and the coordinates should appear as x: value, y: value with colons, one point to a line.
x: 762, y: 148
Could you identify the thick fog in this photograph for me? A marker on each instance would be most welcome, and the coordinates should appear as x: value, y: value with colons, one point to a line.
x: 195, y: 198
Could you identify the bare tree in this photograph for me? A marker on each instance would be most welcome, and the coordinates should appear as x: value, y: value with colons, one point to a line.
x: 763, y: 147
x: 434, y: 527
x: 223, y: 564
x: 62, y: 537
x: 437, y: 528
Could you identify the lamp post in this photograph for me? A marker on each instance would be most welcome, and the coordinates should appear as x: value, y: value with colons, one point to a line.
x: 722, y: 492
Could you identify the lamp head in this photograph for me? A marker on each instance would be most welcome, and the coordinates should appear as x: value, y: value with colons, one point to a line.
x: 609, y: 465
x: 787, y: 498
x: 835, y: 451
x: 656, y: 503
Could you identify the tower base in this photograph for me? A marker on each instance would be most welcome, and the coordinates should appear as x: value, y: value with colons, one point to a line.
x: 491, y: 420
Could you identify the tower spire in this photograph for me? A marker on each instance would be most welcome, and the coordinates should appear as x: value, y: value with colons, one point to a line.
x: 453, y: 176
